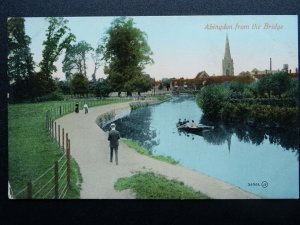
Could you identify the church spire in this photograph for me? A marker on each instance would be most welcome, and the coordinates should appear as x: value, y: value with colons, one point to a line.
x: 227, y: 48
x: 227, y: 62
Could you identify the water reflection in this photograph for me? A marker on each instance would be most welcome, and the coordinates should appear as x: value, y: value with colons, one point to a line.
x: 286, y: 138
x: 222, y: 133
x: 137, y: 126
x: 260, y: 152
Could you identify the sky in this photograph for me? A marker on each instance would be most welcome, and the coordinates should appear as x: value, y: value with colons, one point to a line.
x: 183, y: 46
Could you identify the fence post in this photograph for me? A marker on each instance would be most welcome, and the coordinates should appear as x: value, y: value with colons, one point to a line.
x: 60, y: 110
x: 56, y: 179
x: 55, y: 132
x: 46, y: 120
x: 49, y: 123
x: 68, y: 165
x: 67, y: 141
x: 29, y: 190
x: 63, y: 139
x: 52, y: 127
x: 59, y: 135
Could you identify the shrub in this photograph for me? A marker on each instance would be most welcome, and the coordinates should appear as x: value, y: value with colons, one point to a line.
x: 211, y: 100
x: 260, y: 114
x: 54, y: 96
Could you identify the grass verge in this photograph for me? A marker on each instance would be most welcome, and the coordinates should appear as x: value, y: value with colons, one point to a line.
x: 31, y: 150
x: 152, y: 186
x: 136, y: 146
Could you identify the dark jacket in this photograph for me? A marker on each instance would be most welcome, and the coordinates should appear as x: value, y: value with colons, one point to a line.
x: 113, y: 137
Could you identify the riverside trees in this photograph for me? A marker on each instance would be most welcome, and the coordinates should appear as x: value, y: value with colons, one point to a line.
x: 126, y: 53
x: 272, y: 100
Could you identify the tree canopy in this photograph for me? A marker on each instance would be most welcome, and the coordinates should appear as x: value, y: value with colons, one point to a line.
x: 19, y: 61
x: 58, y: 38
x: 126, y: 53
x: 75, y: 59
x: 79, y: 84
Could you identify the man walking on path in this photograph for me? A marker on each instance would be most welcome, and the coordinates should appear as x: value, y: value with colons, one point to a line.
x: 86, y: 108
x: 113, y: 137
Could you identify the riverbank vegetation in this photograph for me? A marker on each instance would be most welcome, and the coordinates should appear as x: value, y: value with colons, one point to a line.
x: 157, y: 100
x: 134, y: 145
x: 270, y: 101
x: 163, y: 98
x: 152, y: 186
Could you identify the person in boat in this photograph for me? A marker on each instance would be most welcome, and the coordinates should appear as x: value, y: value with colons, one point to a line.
x: 179, y: 123
x: 193, y: 125
x: 184, y: 122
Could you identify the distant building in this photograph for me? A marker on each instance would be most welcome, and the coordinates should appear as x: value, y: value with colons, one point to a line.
x: 265, y: 72
x: 202, y: 75
x: 285, y: 67
x: 227, y: 62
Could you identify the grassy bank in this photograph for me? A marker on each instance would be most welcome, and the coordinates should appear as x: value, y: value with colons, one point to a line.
x: 151, y: 186
x: 134, y: 145
x: 163, y: 98
x: 31, y: 151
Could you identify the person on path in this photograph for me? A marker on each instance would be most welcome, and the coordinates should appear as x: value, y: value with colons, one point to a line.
x: 113, y: 137
x: 86, y: 108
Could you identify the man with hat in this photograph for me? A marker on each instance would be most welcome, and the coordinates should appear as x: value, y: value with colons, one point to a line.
x: 113, y: 137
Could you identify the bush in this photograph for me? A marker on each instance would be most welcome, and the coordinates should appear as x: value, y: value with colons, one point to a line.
x: 54, y: 96
x: 287, y: 102
x: 79, y: 84
x: 211, y: 100
x: 260, y: 114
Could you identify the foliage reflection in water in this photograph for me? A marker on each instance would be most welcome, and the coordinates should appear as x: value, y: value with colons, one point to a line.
x: 242, y: 155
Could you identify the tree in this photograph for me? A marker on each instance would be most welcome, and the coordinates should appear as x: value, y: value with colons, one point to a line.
x: 79, y: 84
x: 102, y: 88
x: 264, y: 85
x: 64, y: 87
x: 211, y: 100
x: 58, y: 38
x: 280, y: 82
x: 166, y: 83
x: 293, y: 91
x: 19, y: 60
x: 139, y: 84
x: 96, y: 56
x: 40, y: 85
x: 126, y: 53
x: 237, y: 88
x: 75, y: 59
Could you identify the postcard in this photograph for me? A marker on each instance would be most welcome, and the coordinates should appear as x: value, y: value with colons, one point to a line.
x: 153, y: 107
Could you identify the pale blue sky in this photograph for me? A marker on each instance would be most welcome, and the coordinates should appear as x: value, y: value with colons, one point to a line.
x: 182, y: 46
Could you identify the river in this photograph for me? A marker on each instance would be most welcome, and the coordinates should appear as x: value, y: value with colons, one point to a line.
x: 263, y: 161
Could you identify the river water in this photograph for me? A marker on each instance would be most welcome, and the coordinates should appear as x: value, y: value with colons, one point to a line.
x: 259, y: 160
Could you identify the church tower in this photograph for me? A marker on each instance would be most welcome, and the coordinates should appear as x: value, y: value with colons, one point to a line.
x: 227, y: 62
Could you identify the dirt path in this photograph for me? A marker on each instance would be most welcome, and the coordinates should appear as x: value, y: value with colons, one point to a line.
x: 90, y: 148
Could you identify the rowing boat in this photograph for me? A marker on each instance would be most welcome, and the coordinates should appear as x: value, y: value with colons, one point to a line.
x: 197, y: 129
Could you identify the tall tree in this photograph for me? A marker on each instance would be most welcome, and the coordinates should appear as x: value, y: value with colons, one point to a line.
x: 58, y: 38
x: 75, y: 59
x: 126, y: 53
x: 20, y: 61
x: 96, y: 56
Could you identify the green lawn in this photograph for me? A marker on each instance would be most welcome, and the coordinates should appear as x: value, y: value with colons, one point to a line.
x: 134, y: 145
x: 31, y: 151
x: 152, y: 186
